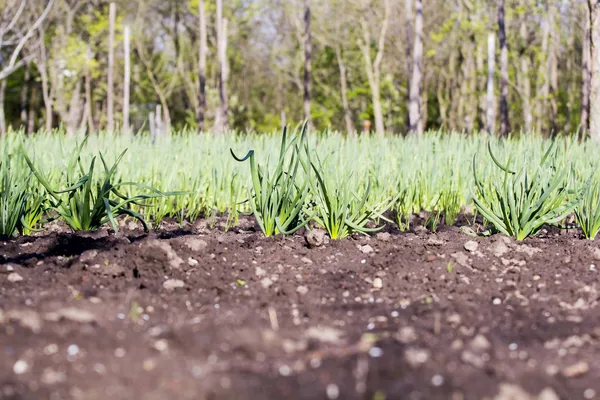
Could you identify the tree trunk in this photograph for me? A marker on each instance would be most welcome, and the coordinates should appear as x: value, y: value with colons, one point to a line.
x: 307, y: 60
x: 408, y: 20
x: 373, y: 68
x: 126, y: 79
x: 33, y: 103
x: 222, y: 119
x: 524, y: 81
x: 25, y: 94
x: 542, y: 84
x: 504, y: 120
x: 112, y: 13
x: 2, y: 115
x: 43, y: 70
x: 584, y: 123
x: 350, y: 130
x: 89, y: 117
x: 491, y: 98
x: 414, y: 107
x: 595, y: 70
x: 202, y: 44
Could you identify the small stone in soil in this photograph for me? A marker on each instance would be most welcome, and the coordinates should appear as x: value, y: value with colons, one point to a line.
x: 302, y: 290
x: 333, y: 391
x: 575, y: 370
x: 171, y: 284
x: 437, y: 380
x: 471, y: 246
x: 14, y: 277
x: 20, y: 367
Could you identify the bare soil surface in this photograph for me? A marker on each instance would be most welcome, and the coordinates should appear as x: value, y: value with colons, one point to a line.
x: 196, y: 313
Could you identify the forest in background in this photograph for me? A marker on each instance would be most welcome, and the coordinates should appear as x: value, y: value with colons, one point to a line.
x: 382, y: 65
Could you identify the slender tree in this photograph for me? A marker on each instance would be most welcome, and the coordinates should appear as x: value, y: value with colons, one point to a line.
x: 373, y: 67
x: 110, y: 99
x: 594, y: 8
x: 586, y: 56
x: 126, y: 78
x: 415, y: 116
x: 307, y: 60
x: 491, y: 98
x: 504, y: 120
x: 222, y: 119
x: 202, y: 45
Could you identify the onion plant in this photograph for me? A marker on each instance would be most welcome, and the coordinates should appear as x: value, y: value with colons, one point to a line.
x: 340, y: 209
x: 522, y: 203
x: 87, y: 204
x: 587, y: 211
x: 277, y: 200
x: 13, y: 200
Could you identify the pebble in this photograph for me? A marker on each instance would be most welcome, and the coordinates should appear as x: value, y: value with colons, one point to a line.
x: 73, y: 350
x: 375, y: 352
x: 284, y: 370
x: 195, y: 244
x: 306, y: 260
x: 437, y: 380
x: 302, y: 290
x: 266, y: 283
x: 366, y: 249
x: 171, y: 284
x: 497, y: 301
x: 20, y: 367
x: 333, y: 391
x: 14, y: 277
x: 377, y: 283
x: 259, y: 272
x: 161, y: 345
x: 575, y: 370
x: 471, y: 246
x: 589, y: 393
x: 416, y: 357
x: 480, y: 343
x: 383, y: 236
x: 192, y: 262
x: 316, y: 238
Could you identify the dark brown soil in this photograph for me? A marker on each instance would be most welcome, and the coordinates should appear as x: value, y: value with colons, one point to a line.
x: 394, y: 316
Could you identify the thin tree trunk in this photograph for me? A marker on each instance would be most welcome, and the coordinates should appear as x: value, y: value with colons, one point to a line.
x: 552, y: 72
x: 594, y: 6
x: 201, y: 111
x: 491, y: 98
x: 414, y: 107
x: 504, y: 120
x: 43, y: 70
x: 25, y: 94
x: 373, y: 68
x: 584, y: 123
x: 525, y: 82
x: 307, y: 60
x: 408, y: 20
x: 31, y: 112
x: 112, y: 13
x: 2, y: 115
x: 350, y: 130
x: 126, y: 79
x: 543, y: 84
x: 89, y: 117
x: 222, y: 123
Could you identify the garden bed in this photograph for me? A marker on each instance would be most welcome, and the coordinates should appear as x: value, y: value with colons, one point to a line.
x: 196, y: 313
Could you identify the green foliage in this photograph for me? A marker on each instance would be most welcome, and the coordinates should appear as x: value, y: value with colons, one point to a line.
x: 587, y: 211
x: 13, y: 200
x: 86, y: 204
x: 523, y: 203
x: 277, y: 200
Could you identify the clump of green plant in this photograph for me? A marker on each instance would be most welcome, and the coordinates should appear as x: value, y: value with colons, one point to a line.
x: 522, y: 203
x: 277, y: 200
x: 339, y: 209
x: 587, y: 211
x: 88, y: 203
x: 13, y: 200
